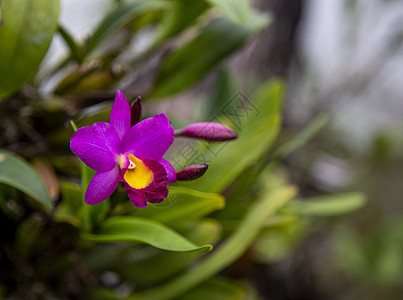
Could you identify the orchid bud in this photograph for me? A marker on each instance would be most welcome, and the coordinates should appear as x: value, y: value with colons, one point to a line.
x: 192, y: 172
x: 135, y: 109
x: 209, y: 131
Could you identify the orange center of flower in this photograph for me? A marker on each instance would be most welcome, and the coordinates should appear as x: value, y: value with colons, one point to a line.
x: 138, y: 176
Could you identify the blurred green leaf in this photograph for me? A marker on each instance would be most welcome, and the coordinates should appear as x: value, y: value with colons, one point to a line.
x: 332, y: 205
x: 186, y: 205
x: 186, y: 65
x: 278, y: 244
x: 27, y: 236
x: 239, y: 193
x: 229, y: 251
x: 119, y: 17
x: 222, y: 93
x: 238, y: 11
x: 68, y: 208
x: 301, y: 139
x: 350, y: 253
x: 258, y: 125
x: 75, y: 49
x: 374, y: 254
x: 217, y: 288
x: 18, y: 173
x: 25, y: 34
x: 182, y: 14
x: 135, y: 229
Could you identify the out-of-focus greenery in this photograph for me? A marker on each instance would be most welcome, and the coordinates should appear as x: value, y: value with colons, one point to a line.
x: 56, y: 246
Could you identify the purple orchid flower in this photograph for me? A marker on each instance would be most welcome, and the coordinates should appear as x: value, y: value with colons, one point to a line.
x: 131, y: 154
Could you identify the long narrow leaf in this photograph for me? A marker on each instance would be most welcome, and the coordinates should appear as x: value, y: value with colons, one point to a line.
x: 141, y: 230
x: 76, y: 51
x: 332, y: 205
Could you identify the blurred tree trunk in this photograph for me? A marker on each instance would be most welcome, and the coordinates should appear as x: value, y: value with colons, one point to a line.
x: 280, y: 40
x: 272, y: 50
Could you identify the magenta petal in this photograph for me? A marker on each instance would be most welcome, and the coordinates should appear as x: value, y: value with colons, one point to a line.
x: 169, y: 169
x: 150, y: 138
x: 153, y: 194
x: 120, y: 114
x: 138, y: 198
x: 97, y: 146
x: 102, y: 186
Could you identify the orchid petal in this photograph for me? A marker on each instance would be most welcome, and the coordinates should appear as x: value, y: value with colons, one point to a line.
x: 137, y: 197
x: 154, y: 194
x: 169, y: 169
x: 150, y: 138
x: 97, y: 146
x: 102, y: 186
x: 120, y: 114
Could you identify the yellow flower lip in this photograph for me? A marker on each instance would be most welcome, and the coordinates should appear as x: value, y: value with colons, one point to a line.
x: 137, y: 175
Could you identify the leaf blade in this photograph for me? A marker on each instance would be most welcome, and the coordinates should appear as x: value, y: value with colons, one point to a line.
x: 180, y: 69
x: 332, y: 205
x: 142, y: 230
x: 25, y: 35
x: 16, y: 172
x: 238, y: 11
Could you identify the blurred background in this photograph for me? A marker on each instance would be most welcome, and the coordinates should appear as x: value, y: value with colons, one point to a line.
x: 342, y: 58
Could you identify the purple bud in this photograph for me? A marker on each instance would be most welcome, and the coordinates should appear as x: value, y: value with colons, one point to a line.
x: 135, y: 109
x: 209, y: 131
x: 191, y: 172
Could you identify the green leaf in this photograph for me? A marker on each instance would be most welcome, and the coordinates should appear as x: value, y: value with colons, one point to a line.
x: 217, y: 289
x: 239, y: 192
x: 141, y: 230
x: 68, y: 208
x: 186, y: 205
x: 18, y: 173
x: 257, y: 125
x: 229, y: 251
x: 119, y: 17
x: 301, y: 139
x: 332, y: 205
x: 180, y: 16
x: 238, y: 11
x: 168, y: 263
x: 186, y: 65
x: 25, y: 34
x: 75, y: 49
x: 279, y: 243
